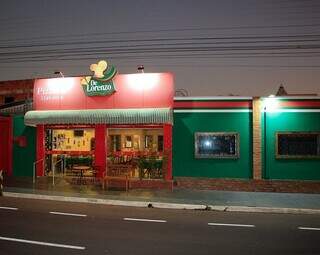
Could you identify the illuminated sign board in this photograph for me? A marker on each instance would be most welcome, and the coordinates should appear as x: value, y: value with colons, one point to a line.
x: 101, y: 83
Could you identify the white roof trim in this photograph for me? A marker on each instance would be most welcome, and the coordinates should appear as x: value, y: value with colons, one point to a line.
x: 211, y: 110
x: 295, y: 97
x: 213, y: 98
x: 290, y: 110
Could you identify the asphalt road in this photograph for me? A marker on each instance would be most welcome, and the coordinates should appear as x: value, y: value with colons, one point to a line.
x: 30, y: 226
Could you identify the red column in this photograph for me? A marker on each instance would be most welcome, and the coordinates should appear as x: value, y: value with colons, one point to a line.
x: 100, y: 148
x: 167, y: 137
x: 40, y: 150
x: 106, y: 148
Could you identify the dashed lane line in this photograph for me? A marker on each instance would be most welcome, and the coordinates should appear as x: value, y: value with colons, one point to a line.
x: 8, y: 208
x: 230, y: 225
x: 42, y: 243
x: 69, y: 214
x: 144, y: 220
x: 308, y: 228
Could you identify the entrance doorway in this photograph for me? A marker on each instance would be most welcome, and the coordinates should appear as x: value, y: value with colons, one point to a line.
x: 69, y: 151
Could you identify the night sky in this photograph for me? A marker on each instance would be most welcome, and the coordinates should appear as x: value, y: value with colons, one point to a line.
x: 239, y: 47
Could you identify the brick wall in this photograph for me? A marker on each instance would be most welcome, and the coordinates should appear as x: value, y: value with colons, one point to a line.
x: 248, y: 185
x: 19, y: 89
x: 256, y: 132
x: 151, y: 184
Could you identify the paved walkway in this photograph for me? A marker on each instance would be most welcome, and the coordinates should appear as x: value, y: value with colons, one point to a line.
x: 222, y: 200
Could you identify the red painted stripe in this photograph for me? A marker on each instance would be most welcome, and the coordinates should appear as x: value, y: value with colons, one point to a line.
x: 212, y: 104
x: 136, y: 126
x: 312, y: 104
x: 68, y: 126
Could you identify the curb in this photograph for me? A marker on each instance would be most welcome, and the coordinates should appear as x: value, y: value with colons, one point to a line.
x: 272, y: 210
x: 217, y: 208
x: 77, y: 199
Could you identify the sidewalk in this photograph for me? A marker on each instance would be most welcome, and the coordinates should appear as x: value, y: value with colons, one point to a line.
x: 179, y: 198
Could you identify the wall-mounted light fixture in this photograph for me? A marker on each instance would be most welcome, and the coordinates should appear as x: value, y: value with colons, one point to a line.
x: 60, y: 73
x: 140, y: 69
x: 270, y: 103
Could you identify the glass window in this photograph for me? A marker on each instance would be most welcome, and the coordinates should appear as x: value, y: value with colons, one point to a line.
x: 115, y: 143
x: 8, y: 100
x: 148, y: 140
x: 216, y: 145
x: 160, y: 142
x: 298, y: 145
x: 69, y: 139
x: 128, y: 141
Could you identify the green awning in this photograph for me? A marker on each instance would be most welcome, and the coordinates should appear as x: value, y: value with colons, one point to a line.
x: 100, y: 116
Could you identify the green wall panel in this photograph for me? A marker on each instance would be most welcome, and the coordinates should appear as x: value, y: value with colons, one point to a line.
x: 23, y: 157
x: 303, y: 169
x: 184, y: 162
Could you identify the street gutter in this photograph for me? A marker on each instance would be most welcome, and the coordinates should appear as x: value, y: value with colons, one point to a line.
x: 162, y: 205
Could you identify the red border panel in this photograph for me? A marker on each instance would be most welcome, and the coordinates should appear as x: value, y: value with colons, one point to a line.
x: 6, y: 146
x: 212, y: 104
x: 143, y: 90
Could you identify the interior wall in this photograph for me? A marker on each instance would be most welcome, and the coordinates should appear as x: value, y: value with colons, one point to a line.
x: 138, y: 137
x: 65, y: 140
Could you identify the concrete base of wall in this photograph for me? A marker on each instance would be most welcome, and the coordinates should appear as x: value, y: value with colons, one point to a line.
x: 291, y: 186
x: 87, y: 183
x: 143, y: 184
x: 157, y: 184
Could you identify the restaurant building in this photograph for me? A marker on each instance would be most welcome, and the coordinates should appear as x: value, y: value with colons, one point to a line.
x: 103, y: 124
x: 245, y: 143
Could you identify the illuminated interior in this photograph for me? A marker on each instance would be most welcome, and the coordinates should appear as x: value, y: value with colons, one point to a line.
x: 72, y: 139
x: 66, y: 148
x: 140, y: 150
x: 69, y: 151
x: 135, y: 140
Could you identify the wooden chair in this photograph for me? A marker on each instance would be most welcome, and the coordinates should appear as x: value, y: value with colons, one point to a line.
x: 117, y: 172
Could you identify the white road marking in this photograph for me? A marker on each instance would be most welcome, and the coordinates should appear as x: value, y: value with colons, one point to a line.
x: 231, y: 225
x: 42, y: 243
x: 8, y: 208
x: 145, y: 220
x: 69, y: 214
x: 307, y: 228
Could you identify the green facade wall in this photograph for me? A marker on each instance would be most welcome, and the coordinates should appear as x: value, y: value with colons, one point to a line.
x: 186, y: 124
x: 23, y: 157
x: 302, y: 169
